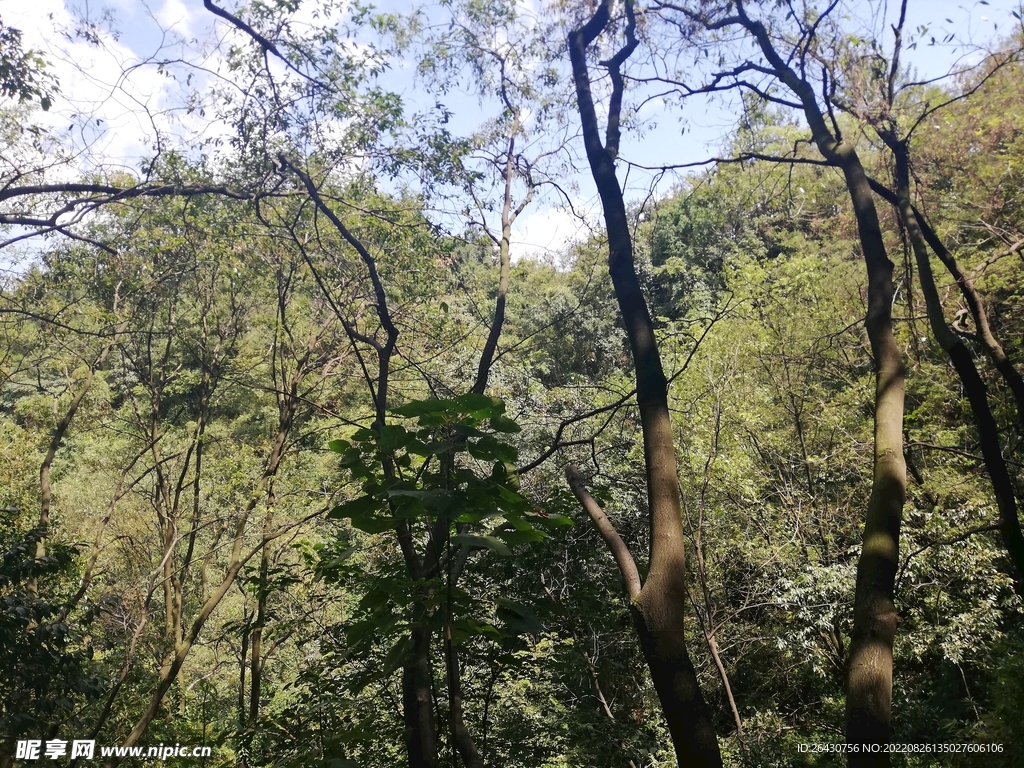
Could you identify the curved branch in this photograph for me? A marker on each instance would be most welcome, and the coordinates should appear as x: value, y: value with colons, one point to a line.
x: 264, y: 43
x: 619, y: 550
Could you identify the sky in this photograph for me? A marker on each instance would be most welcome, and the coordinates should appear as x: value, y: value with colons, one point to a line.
x: 115, y: 95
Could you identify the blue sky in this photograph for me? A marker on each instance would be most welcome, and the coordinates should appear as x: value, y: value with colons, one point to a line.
x: 95, y: 88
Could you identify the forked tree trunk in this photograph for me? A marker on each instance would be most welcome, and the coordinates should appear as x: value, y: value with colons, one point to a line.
x: 658, y: 607
x: 972, y: 298
x: 869, y: 670
x: 963, y: 361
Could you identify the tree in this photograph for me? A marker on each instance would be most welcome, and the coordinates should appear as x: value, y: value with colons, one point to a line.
x: 658, y: 601
x: 23, y: 74
x: 869, y: 680
x: 300, y: 394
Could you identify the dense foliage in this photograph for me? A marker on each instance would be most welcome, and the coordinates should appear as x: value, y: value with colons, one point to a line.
x: 257, y: 489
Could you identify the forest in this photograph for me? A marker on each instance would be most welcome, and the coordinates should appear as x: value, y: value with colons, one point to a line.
x: 309, y: 456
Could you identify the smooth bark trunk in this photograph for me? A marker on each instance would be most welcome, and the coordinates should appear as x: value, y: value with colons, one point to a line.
x: 962, y: 360
x: 659, y: 608
x: 418, y: 702
x: 869, y: 669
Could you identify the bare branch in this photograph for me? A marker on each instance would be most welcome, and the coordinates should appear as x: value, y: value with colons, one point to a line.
x: 619, y: 550
x: 264, y: 43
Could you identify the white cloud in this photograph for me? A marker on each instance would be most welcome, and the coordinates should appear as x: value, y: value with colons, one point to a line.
x: 113, y: 92
x: 112, y: 99
x: 545, y: 234
x: 175, y: 15
x: 321, y: 14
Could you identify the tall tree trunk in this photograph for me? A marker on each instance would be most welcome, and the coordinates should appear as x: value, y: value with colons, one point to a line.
x: 974, y: 302
x: 417, y: 698
x: 659, y: 607
x: 963, y: 361
x: 418, y: 701
x: 869, y: 670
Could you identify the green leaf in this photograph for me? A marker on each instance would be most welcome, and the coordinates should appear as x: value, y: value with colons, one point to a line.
x: 361, y: 632
x: 512, y: 538
x: 353, y: 459
x: 381, y: 594
x: 468, y: 431
x: 418, y: 448
x: 417, y: 494
x: 364, y: 505
x: 336, y: 560
x: 393, y: 436
x: 395, y: 656
x: 467, y: 628
x: 422, y: 408
x: 373, y: 524
x: 488, y: 448
x: 475, y: 541
x: 519, y: 619
x: 504, y: 473
x: 519, y: 523
x: 504, y: 424
x: 554, y: 520
x: 471, y: 402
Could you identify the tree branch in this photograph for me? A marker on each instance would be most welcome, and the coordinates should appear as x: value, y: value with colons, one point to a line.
x: 619, y: 550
